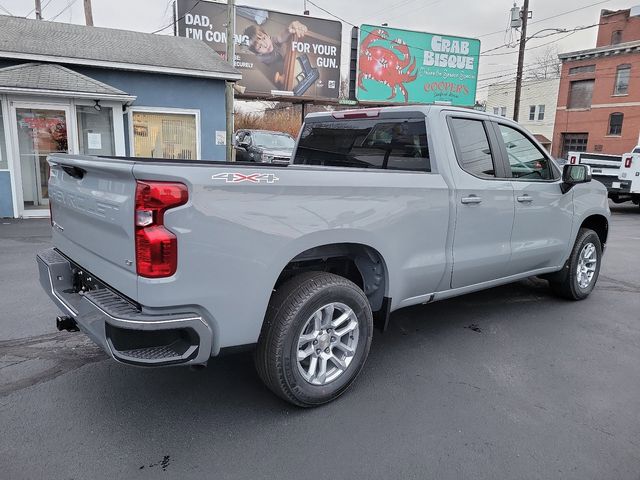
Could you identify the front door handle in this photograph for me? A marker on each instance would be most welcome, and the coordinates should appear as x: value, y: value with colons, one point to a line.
x: 525, y: 199
x: 471, y: 199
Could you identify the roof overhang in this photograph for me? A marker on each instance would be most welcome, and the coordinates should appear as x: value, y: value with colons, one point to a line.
x: 619, y: 49
x: 68, y: 94
x: 122, y: 66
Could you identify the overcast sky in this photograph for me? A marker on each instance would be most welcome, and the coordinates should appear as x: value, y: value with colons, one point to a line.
x: 483, y: 19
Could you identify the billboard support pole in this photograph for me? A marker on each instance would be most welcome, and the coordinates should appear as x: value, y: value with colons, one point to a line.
x: 229, y: 85
x: 523, y: 42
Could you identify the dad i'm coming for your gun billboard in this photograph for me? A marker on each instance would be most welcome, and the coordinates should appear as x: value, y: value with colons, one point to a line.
x: 277, y: 53
x: 405, y: 66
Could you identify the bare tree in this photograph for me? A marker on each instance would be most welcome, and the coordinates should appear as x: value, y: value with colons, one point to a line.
x: 546, y: 65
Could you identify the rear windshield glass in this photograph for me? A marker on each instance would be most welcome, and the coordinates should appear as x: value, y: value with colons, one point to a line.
x: 273, y: 140
x: 365, y: 143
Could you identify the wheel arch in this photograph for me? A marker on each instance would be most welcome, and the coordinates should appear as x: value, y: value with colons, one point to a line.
x: 360, y: 263
x: 599, y: 224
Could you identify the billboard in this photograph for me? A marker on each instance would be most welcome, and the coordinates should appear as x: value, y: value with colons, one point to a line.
x: 404, y: 66
x: 277, y: 53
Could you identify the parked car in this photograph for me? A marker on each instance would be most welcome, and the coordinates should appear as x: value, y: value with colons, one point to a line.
x: 264, y: 146
x: 173, y: 262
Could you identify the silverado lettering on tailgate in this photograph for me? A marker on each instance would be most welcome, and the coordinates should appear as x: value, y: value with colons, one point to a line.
x: 83, y: 203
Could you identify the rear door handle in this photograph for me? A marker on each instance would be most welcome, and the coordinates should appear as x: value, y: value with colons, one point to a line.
x: 471, y: 199
x: 525, y: 199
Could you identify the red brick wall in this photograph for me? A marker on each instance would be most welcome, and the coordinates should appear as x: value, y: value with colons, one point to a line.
x: 595, y: 120
x: 610, y: 22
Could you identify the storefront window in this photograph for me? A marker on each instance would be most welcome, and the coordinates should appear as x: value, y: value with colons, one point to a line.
x: 95, y: 130
x: 3, y: 146
x: 165, y: 135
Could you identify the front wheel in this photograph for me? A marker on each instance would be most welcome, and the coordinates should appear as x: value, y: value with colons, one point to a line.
x: 582, y: 268
x: 315, y: 339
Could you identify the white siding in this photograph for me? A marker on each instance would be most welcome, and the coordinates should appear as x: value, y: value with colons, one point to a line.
x: 534, y: 92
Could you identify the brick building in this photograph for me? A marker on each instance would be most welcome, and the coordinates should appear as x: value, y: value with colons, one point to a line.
x: 599, y: 96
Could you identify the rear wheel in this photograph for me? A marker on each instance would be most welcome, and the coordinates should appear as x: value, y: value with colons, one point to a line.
x: 582, y: 268
x: 315, y: 339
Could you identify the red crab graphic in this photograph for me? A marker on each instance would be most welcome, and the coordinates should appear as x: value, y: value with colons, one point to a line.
x: 391, y: 66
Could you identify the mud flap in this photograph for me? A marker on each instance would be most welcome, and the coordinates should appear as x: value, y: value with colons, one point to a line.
x: 381, y: 317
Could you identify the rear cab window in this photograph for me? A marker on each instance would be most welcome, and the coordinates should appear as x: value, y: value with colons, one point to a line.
x: 472, y: 147
x: 391, y: 144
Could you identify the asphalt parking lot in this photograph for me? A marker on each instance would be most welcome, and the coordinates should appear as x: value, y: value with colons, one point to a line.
x: 511, y: 383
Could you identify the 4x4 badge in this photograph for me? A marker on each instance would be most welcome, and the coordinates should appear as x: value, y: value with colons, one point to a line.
x: 235, y: 177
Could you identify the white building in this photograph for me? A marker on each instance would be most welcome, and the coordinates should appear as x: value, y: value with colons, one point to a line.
x: 538, y: 102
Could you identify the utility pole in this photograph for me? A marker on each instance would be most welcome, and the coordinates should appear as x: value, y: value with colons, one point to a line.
x: 88, y: 14
x: 231, y: 18
x: 175, y: 20
x: 38, y: 10
x: 523, y: 41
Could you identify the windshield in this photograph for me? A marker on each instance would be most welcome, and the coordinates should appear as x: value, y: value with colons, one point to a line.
x: 636, y: 150
x: 273, y: 140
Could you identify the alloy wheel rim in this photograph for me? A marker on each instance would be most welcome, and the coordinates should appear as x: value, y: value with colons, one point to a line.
x: 587, y: 262
x: 327, y: 343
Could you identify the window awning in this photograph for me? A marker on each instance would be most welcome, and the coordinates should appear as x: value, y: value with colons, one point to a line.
x: 53, y: 80
x: 542, y: 139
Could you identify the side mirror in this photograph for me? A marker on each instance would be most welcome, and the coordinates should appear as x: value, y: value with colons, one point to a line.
x: 574, y: 174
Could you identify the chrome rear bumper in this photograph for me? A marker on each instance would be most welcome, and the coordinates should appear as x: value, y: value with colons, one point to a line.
x: 118, y: 325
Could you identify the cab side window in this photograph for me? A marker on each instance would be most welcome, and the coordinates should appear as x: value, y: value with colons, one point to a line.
x: 472, y: 147
x: 525, y: 159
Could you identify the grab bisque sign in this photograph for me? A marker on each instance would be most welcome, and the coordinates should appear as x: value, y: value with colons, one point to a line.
x: 405, y: 66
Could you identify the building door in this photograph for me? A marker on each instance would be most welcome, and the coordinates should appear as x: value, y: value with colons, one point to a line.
x: 39, y: 130
x: 573, y: 142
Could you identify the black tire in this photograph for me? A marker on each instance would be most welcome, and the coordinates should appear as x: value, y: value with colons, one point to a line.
x: 567, y: 285
x: 290, y: 308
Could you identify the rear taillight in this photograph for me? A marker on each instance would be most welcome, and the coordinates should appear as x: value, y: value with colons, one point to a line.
x: 156, y: 247
x: 573, y: 159
x: 627, y: 162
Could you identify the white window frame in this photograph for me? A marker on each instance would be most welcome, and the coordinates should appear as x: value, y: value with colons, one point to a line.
x: 542, y: 110
x: 179, y: 111
x: 117, y: 119
x: 4, y: 109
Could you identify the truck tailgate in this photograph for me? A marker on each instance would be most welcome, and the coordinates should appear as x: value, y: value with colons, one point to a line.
x: 92, y: 205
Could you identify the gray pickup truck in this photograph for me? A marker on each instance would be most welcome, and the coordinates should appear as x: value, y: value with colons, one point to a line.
x: 167, y: 262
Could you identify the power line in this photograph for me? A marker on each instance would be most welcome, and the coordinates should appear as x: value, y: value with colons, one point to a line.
x: 178, y: 19
x: 531, y: 48
x: 69, y: 5
x: 548, y: 18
